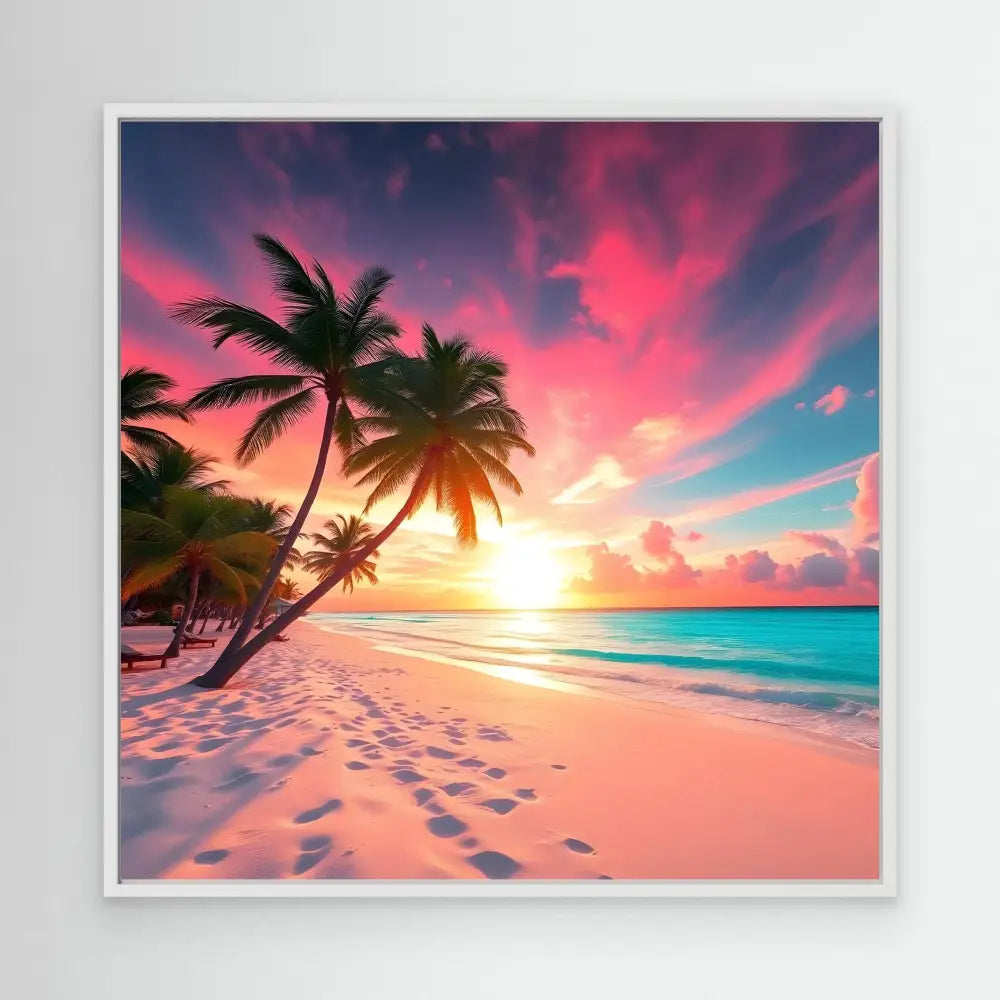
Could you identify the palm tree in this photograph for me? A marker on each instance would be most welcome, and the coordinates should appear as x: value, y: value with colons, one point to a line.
x: 330, y: 347
x: 286, y: 589
x: 446, y: 428
x: 338, y: 548
x: 197, y: 535
x: 143, y: 396
x: 145, y: 476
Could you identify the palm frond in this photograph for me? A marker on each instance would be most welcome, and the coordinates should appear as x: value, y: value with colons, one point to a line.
x: 290, y: 279
x: 272, y: 422
x: 247, y: 326
x: 150, y: 574
x: 147, y: 439
x: 245, y: 389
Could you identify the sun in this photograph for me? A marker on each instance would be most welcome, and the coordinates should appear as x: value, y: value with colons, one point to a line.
x: 526, y: 575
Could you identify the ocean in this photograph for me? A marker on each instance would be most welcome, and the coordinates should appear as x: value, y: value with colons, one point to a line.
x: 813, y: 668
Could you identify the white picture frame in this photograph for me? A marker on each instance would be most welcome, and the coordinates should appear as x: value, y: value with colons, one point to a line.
x: 886, y: 884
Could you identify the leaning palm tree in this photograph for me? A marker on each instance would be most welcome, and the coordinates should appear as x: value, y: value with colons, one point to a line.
x: 448, y: 430
x: 145, y: 476
x: 330, y: 347
x: 334, y: 550
x: 143, y: 395
x: 199, y: 535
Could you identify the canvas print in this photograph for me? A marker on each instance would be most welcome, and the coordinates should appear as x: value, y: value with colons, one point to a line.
x: 499, y: 500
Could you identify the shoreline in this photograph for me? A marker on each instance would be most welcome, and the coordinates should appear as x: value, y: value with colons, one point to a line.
x: 329, y: 757
x: 539, y: 677
x: 669, y: 687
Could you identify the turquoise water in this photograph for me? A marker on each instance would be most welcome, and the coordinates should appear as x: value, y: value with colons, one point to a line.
x: 813, y: 668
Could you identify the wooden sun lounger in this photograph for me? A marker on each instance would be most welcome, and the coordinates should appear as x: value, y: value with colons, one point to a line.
x: 131, y: 656
x: 190, y: 639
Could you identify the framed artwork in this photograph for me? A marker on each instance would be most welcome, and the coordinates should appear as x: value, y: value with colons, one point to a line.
x: 499, y: 501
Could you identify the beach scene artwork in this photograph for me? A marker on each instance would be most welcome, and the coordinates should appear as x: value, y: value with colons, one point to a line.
x: 499, y: 500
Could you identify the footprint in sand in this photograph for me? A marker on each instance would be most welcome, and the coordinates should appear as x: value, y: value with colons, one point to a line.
x: 493, y: 864
x: 494, y: 735
x: 558, y: 767
x: 423, y: 795
x: 158, y: 768
x: 441, y: 753
x: 471, y: 762
x: 318, y: 812
x: 468, y: 842
x: 237, y: 778
x: 210, y: 857
x: 528, y: 794
x: 355, y: 743
x: 173, y: 745
x: 396, y: 742
x: 501, y: 806
x: 580, y: 846
x: 495, y: 772
x: 314, y: 849
x: 308, y: 751
x: 404, y: 775
x: 458, y: 788
x: 357, y: 765
x: 446, y: 825
x: 282, y: 760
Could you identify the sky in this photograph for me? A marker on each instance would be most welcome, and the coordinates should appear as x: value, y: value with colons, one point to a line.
x: 689, y: 311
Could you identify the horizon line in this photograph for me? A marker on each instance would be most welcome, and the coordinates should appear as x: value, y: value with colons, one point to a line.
x: 697, y: 607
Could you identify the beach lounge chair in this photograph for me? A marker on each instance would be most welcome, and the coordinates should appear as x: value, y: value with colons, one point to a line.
x: 131, y: 656
x: 190, y: 639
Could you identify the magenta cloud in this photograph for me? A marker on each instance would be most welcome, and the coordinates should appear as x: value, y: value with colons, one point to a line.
x: 833, y: 401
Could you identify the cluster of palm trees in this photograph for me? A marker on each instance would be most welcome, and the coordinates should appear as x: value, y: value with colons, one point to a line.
x: 437, y: 425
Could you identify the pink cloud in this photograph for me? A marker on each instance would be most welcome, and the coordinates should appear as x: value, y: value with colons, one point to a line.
x: 435, y: 143
x: 822, y: 570
x: 610, y: 572
x: 694, y: 536
x: 800, y: 405
x: 825, y: 543
x: 614, y: 572
x: 866, y: 504
x: 865, y: 565
x: 869, y: 394
x: 658, y: 542
x: 834, y: 401
x: 752, y: 567
x: 854, y: 575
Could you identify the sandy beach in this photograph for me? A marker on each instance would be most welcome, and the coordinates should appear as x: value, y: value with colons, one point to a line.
x: 328, y: 758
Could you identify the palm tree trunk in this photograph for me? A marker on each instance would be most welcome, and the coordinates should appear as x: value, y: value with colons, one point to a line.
x: 277, y: 563
x: 206, y: 608
x: 219, y: 675
x: 223, y: 615
x: 175, y: 644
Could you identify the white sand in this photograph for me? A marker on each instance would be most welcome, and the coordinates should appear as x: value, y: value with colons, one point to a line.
x: 328, y: 759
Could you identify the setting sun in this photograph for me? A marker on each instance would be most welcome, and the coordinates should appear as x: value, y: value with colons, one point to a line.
x: 525, y: 575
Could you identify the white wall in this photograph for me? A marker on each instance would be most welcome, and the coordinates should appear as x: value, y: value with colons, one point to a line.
x: 936, y: 63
